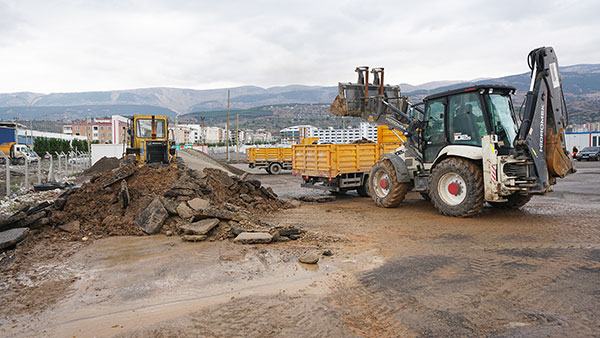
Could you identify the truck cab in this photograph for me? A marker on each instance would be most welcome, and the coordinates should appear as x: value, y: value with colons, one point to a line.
x: 17, y: 153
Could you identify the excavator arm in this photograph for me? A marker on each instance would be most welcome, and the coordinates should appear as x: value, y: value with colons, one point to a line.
x: 541, y: 135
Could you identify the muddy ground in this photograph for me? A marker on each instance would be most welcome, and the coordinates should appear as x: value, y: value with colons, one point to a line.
x: 406, y: 271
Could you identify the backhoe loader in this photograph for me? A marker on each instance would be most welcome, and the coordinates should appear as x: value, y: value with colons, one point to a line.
x: 467, y: 146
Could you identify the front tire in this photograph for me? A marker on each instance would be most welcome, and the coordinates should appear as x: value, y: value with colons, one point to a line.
x: 514, y: 202
x: 456, y: 187
x: 363, y: 190
x: 385, y: 190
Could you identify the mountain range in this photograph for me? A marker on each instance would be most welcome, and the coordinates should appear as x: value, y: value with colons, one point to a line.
x: 581, y: 85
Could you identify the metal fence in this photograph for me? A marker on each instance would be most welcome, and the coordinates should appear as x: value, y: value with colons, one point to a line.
x: 19, y: 178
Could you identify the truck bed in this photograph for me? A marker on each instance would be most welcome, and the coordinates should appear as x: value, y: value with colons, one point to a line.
x: 331, y: 160
x: 270, y: 154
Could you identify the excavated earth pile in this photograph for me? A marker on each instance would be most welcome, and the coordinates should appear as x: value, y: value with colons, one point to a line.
x: 135, y: 200
x: 173, y: 200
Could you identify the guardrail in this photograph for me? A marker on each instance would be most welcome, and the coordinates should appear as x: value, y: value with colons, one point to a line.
x: 35, y: 169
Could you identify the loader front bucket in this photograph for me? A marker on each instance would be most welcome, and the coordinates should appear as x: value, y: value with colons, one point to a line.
x: 359, y: 100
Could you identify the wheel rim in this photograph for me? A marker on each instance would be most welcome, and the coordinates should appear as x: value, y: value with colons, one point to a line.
x: 276, y: 169
x: 452, y: 189
x: 381, y: 184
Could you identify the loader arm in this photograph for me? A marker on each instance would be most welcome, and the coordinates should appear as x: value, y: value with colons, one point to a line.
x: 541, y: 135
x: 378, y: 103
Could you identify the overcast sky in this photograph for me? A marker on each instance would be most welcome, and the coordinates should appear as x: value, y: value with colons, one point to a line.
x: 64, y: 46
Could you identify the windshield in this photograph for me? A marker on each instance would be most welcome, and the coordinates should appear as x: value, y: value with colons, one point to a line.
x: 590, y: 149
x: 501, y: 118
x: 144, y: 128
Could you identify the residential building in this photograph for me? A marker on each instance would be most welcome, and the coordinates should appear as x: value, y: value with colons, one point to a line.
x: 104, y: 130
x: 294, y: 134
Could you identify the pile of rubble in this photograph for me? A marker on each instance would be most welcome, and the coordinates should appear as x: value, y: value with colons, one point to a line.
x: 132, y: 200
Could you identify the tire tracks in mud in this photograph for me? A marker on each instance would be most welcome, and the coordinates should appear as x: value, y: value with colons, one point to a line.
x: 488, y: 292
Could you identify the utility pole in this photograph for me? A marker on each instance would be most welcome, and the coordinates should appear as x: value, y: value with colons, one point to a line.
x: 227, y: 129
x: 202, y: 131
x: 237, y: 136
x: 87, y: 132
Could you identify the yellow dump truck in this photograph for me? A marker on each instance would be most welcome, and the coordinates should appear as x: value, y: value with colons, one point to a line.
x: 272, y: 159
x: 341, y: 167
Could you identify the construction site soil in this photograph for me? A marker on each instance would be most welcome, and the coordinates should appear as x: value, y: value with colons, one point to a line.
x: 406, y: 271
x: 98, y: 208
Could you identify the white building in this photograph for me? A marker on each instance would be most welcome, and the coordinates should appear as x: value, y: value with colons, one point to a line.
x: 293, y: 134
x: 212, y: 135
x: 582, y: 139
x: 330, y: 135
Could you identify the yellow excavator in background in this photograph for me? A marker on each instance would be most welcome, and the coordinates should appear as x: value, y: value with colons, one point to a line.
x: 149, y: 140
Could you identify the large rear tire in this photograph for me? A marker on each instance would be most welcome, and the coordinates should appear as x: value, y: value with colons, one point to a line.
x: 514, y: 202
x: 275, y: 168
x: 456, y: 187
x: 384, y: 189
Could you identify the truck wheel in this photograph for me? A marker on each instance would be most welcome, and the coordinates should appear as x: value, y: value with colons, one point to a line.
x: 456, y: 187
x: 385, y: 190
x: 268, y: 170
x: 514, y: 202
x: 363, y: 190
x: 21, y: 161
x: 275, y: 168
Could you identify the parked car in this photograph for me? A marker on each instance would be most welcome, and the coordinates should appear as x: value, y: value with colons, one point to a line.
x: 589, y: 153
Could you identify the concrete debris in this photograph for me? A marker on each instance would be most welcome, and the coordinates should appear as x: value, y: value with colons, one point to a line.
x: 253, y: 238
x: 73, y: 226
x: 198, y: 204
x: 151, y: 219
x: 14, y: 221
x: 11, y: 237
x: 124, y: 194
x: 193, y: 238
x: 169, y: 205
x: 121, y: 175
x: 318, y: 199
x: 31, y: 219
x: 199, y: 228
x: 309, y: 258
x: 184, y: 211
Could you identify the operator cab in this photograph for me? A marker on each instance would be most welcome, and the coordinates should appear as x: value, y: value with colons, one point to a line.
x: 462, y: 116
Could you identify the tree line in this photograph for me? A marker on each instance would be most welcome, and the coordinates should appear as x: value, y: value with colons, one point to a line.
x: 43, y: 145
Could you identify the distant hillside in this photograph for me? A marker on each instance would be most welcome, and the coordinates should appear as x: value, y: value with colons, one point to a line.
x: 581, y: 84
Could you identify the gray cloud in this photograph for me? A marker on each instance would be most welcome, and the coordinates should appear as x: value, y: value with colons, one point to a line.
x: 78, y: 45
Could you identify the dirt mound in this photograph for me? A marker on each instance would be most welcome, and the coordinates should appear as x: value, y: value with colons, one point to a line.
x: 160, y: 197
x: 103, y: 164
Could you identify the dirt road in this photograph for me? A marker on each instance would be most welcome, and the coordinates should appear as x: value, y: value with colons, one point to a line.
x: 406, y: 271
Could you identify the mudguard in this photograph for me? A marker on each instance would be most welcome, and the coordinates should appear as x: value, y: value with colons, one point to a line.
x: 400, y: 167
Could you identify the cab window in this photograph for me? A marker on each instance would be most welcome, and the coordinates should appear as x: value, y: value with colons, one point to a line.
x: 144, y: 128
x: 434, y: 136
x: 466, y: 123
